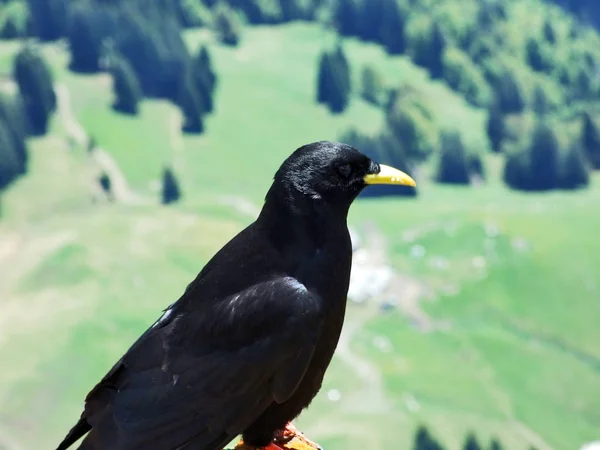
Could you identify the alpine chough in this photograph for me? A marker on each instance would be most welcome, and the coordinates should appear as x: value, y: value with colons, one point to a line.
x: 245, y: 348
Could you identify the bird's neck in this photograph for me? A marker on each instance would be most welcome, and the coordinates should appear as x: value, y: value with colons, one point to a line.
x: 313, y: 244
x: 297, y: 218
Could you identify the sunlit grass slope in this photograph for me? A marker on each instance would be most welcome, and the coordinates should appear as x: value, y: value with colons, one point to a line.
x: 513, y: 278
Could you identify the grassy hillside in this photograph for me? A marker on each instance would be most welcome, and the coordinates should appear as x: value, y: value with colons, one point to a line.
x: 516, y: 312
x: 511, y: 279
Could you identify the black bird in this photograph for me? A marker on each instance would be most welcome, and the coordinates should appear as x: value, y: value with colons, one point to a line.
x: 245, y: 348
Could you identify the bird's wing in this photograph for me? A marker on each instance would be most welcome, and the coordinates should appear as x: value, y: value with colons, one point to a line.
x: 199, y: 378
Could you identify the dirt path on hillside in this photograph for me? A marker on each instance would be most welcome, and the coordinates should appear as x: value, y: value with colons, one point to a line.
x: 76, y: 134
x: 373, y: 283
x: 102, y: 160
x: 408, y: 294
x: 176, y: 135
x: 119, y: 187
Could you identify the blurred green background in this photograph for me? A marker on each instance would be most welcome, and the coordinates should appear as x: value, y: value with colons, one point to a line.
x: 138, y: 136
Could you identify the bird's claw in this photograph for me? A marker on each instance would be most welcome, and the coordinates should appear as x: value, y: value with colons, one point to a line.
x: 241, y: 446
x: 290, y: 438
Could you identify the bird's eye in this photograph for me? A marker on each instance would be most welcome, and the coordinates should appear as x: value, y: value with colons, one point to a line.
x: 345, y: 170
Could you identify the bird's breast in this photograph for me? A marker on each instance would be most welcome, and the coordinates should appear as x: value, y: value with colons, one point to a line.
x: 327, y: 274
x: 329, y: 278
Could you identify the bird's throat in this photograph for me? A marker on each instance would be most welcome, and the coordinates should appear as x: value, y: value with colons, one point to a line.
x: 299, y: 217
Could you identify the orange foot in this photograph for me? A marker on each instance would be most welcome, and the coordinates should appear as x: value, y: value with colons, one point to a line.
x: 290, y: 438
x: 241, y: 446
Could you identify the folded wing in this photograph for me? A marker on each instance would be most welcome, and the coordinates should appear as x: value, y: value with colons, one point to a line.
x: 201, y: 375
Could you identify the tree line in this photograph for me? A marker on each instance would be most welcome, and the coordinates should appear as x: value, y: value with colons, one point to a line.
x: 558, y: 147
x: 138, y: 42
x: 144, y: 51
x: 141, y: 45
x: 29, y: 111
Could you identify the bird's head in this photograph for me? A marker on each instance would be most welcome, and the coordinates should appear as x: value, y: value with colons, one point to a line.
x: 333, y: 173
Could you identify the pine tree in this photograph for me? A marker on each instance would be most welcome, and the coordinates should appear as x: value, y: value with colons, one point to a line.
x: 482, y: 50
x: 372, y: 86
x: 490, y: 13
x: 409, y: 121
x: 454, y: 165
x: 476, y: 167
x: 583, y: 84
x: 88, y: 28
x: 170, y: 187
x: 126, y: 87
x: 92, y: 144
x: 549, y: 32
x: 438, y: 47
x: 540, y: 102
x: 496, y: 128
x: 191, y: 106
x: 495, y: 444
x: 323, y: 78
x: 371, y: 19
x: 11, y: 28
x: 49, y: 18
x: 346, y: 17
x: 10, y: 166
x: 204, y: 61
x: 365, y: 143
x: 257, y: 11
x: 192, y: 14
x: 204, y: 78
x: 380, y: 147
x: 175, y: 62
x: 465, y: 77
x: 333, y: 82
x: 341, y: 59
x: 294, y: 10
x: 340, y: 87
x: 429, y: 51
x: 227, y: 26
x: 544, y: 153
x: 575, y: 171
x: 13, y: 116
x: 509, y: 93
x: 340, y: 74
x: 424, y: 440
x: 141, y: 45
x: 392, y: 29
x: 34, y: 79
x: 535, y: 55
x: 590, y: 140
x: 106, y: 185
x: 517, y: 170
x: 471, y: 443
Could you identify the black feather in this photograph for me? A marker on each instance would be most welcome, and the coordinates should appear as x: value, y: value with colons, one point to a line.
x: 76, y: 432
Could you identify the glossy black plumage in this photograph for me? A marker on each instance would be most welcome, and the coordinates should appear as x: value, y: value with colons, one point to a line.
x: 246, y: 347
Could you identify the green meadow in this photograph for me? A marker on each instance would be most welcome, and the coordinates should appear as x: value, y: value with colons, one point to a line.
x: 511, y: 279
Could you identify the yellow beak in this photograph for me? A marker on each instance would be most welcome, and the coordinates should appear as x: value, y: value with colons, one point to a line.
x: 389, y: 175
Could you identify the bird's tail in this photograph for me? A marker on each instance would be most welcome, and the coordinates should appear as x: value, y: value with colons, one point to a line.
x: 76, y: 432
